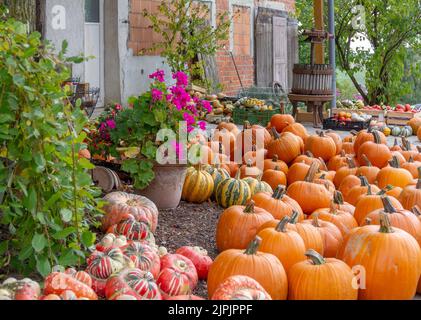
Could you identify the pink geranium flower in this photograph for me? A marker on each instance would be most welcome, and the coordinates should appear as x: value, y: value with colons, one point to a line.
x: 159, y: 75
x: 182, y: 79
x: 156, y: 95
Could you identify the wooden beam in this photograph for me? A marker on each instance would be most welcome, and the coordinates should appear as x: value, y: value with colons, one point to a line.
x: 319, y: 25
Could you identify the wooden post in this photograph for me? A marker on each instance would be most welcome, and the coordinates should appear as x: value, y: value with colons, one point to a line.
x: 319, y: 25
x: 26, y: 11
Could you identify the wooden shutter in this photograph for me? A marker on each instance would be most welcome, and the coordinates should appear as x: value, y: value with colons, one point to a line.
x: 280, y: 51
x: 263, y: 51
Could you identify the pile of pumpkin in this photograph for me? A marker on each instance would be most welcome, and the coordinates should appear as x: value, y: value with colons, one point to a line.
x: 321, y: 210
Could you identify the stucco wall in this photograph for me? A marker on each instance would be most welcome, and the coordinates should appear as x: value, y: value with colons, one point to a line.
x: 74, y: 31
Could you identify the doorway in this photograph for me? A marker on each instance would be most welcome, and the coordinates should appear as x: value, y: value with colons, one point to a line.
x: 94, y: 46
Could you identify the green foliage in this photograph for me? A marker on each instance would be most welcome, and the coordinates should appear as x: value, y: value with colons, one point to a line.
x: 391, y: 27
x: 46, y: 195
x: 187, y: 33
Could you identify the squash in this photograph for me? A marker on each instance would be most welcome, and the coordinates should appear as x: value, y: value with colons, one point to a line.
x: 198, y: 186
x: 133, y: 230
x: 233, y: 191
x: 415, y: 124
x: 348, y: 183
x: 119, y: 204
x: 387, y: 131
x: 365, y: 136
x: 281, y: 121
x: 19, y: 290
x: 250, y: 171
x: 59, y: 282
x: 274, y: 178
x: 238, y: 225
x: 394, y: 175
x: 356, y: 192
x: 286, y: 146
x: 257, y: 185
x: 275, y: 163
x: 412, y: 167
x: 143, y: 257
x: 265, y: 268
x: 240, y: 288
x: 368, y: 170
x: 200, y: 259
x: 343, y: 172
x: 390, y: 256
x: 337, y: 139
x: 286, y: 245
x: 396, y: 131
x: 218, y: 175
x: 297, y: 172
x: 406, y: 131
x: 411, y: 195
x: 321, y: 279
x: 338, y: 162
x: 321, y: 146
x: 375, y: 151
x: 248, y: 137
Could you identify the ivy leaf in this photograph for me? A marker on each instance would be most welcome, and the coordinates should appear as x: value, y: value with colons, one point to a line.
x: 39, y: 242
x: 88, y: 238
x: 43, y: 266
x: 30, y: 201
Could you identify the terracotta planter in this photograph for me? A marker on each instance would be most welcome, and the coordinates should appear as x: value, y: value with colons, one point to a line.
x: 165, y: 191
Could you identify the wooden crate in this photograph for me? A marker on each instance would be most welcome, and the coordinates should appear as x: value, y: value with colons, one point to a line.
x: 374, y: 113
x: 400, y: 118
x: 307, y: 117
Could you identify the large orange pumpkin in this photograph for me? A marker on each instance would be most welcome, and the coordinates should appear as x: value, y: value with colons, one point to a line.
x: 332, y: 236
x: 309, y: 195
x: 281, y: 121
x: 298, y: 129
x: 297, y: 172
x: 391, y: 259
x: 343, y: 172
x: 285, y: 244
x: 368, y: 170
x: 337, y: 139
x: 265, y: 268
x: 238, y: 225
x: 348, y: 183
x: 394, y: 175
x: 366, y: 135
x: 321, y: 279
x: 415, y: 124
x: 275, y: 162
x: 356, y: 192
x: 278, y: 204
x: 412, y: 166
x: 286, y: 146
x: 411, y: 195
x: 376, y: 151
x: 399, y: 218
x: 321, y: 146
x: 274, y: 178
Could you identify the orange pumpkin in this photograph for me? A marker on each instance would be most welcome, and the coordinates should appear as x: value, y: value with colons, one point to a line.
x: 408, y: 150
x: 265, y: 268
x: 337, y: 139
x: 275, y: 162
x: 376, y: 151
x: 394, y: 191
x: 281, y: 121
x: 412, y: 166
x: 278, y: 204
x: 298, y: 129
x: 250, y: 135
x: 415, y: 124
x: 338, y: 162
x: 394, y: 175
x: 285, y: 244
x: 250, y: 171
x: 411, y: 195
x: 356, y: 192
x: 233, y: 168
x: 307, y: 158
x: 390, y: 257
x: 286, y: 146
x: 364, y: 136
x: 332, y: 236
x: 348, y: 183
x: 309, y: 195
x: 321, y: 146
x: 399, y: 218
x: 227, y: 138
x: 351, y: 137
x: 310, y: 234
x: 228, y: 126
x: 341, y: 204
x: 238, y: 225
x: 368, y: 170
x: 343, y: 172
x: 396, y: 146
x: 274, y: 178
x: 297, y: 172
x: 254, y: 156
x: 348, y: 147
x: 240, y: 288
x: 321, y: 279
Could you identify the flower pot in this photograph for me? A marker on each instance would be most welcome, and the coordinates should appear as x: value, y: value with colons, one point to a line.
x: 166, y: 189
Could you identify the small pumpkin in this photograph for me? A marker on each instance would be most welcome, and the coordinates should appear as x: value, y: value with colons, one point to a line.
x: 198, y: 186
x: 387, y: 131
x: 348, y: 183
x: 337, y: 139
x: 257, y: 185
x: 275, y: 163
x: 250, y: 171
x: 414, y: 123
x: 233, y: 191
x: 377, y: 152
x: 408, y: 150
x: 297, y: 172
x: 58, y: 282
x: 133, y: 230
x: 298, y: 129
x: 144, y: 257
x: 338, y: 162
x: 281, y: 121
x: 321, y: 279
x: 368, y: 170
x: 218, y: 175
x: 286, y: 146
x: 274, y: 177
x: 391, y: 258
x: 365, y: 136
x: 238, y: 225
x: 265, y: 268
x: 356, y: 192
x: 200, y: 259
x: 412, y: 166
x: 411, y: 194
x: 406, y: 131
x: 240, y: 288
x: 321, y: 146
x: 343, y: 172
x: 394, y: 175
x: 396, y: 131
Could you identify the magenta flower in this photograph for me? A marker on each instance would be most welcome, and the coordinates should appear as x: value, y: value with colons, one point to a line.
x: 202, y: 125
x: 207, y: 106
x: 118, y: 107
x: 156, y: 95
x: 159, y: 75
x: 178, y: 148
x: 111, y: 124
x: 182, y: 79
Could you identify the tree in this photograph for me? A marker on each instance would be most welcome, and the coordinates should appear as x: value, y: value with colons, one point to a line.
x: 27, y: 11
x: 391, y: 27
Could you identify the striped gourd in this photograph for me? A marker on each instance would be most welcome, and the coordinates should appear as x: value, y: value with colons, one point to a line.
x: 257, y: 185
x: 233, y: 191
x: 198, y: 186
x: 218, y: 175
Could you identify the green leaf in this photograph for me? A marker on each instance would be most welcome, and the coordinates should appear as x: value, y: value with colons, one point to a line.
x: 88, y: 238
x: 63, y: 234
x: 30, y: 201
x: 69, y: 258
x: 39, y: 242
x: 25, y: 253
x: 43, y: 266
x: 86, y: 164
x: 66, y: 215
x: 4, y: 246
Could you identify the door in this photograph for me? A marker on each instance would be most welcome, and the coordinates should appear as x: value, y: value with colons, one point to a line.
x: 94, y: 46
x: 280, y: 51
x: 263, y: 50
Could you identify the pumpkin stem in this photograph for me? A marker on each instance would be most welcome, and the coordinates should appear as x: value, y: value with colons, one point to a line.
x: 411, y: 159
x: 277, y: 168
x: 385, y: 226
x: 419, y: 149
x: 281, y: 227
x: 238, y: 175
x: 338, y: 198
x: 249, y: 163
x: 279, y: 192
x: 312, y: 172
x: 376, y: 136
x: 419, y: 178
x: 253, y: 246
x: 388, y: 206
x: 323, y: 164
x: 294, y: 217
x: 416, y: 210
x: 396, y: 144
x: 309, y: 154
x: 247, y: 125
x: 369, y: 190
x: 364, y: 181
x: 394, y: 163
x: 315, y: 257
x: 221, y: 147
x: 351, y: 163
x: 316, y: 221
x: 343, y: 154
x: 353, y: 132
x: 406, y: 144
x: 385, y: 190
x: 275, y: 158
x: 259, y: 177
x: 250, y: 207
x: 366, y: 161
x: 368, y: 221
x: 323, y: 176
x: 321, y: 134
x: 276, y: 135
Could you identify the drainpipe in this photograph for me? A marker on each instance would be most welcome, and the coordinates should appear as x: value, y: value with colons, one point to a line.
x: 332, y: 48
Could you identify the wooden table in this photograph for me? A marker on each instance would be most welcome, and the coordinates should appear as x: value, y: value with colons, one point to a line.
x: 314, y: 104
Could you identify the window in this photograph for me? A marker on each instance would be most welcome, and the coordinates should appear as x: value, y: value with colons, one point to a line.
x: 92, y: 11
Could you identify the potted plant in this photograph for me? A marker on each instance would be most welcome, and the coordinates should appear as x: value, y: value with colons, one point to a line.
x: 151, y: 138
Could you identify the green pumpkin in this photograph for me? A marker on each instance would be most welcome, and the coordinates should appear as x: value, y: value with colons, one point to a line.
x: 257, y: 185
x: 218, y: 175
x: 406, y: 131
x: 233, y: 191
x: 396, y: 131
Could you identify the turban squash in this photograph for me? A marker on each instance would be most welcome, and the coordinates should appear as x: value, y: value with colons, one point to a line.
x: 233, y: 191
x: 240, y: 288
x: 198, y: 186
